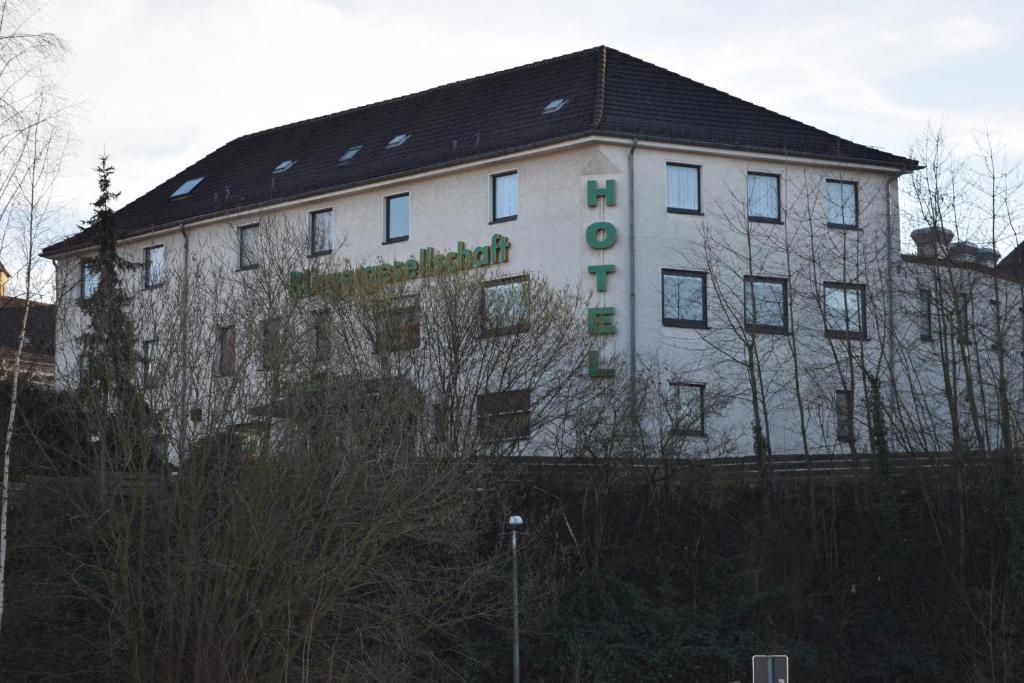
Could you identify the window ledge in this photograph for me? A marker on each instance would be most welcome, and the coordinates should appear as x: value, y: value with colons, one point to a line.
x: 506, y: 219
x: 758, y: 329
x: 394, y: 240
x: 761, y: 219
x: 842, y: 226
x: 846, y: 336
x: 684, y: 324
x: 314, y: 254
x: 255, y: 266
x: 684, y: 212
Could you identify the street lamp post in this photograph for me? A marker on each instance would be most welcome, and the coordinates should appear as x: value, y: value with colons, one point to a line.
x: 515, y: 521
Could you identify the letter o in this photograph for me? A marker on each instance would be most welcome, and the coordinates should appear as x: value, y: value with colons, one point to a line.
x: 605, y: 242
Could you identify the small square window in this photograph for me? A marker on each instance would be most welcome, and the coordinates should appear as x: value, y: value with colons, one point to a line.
x: 349, y: 155
x: 841, y: 203
x: 844, y: 415
x: 845, y: 316
x: 682, y: 188
x: 396, y: 218
x: 504, y: 197
x: 555, y: 105
x: 763, y: 197
x: 687, y: 409
x: 90, y: 279
x: 321, y: 232
x: 247, y: 247
x: 765, y: 304
x: 226, y: 350
x: 503, y: 415
x: 153, y: 271
x: 504, y: 306
x: 397, y: 140
x: 684, y: 298
x: 186, y: 187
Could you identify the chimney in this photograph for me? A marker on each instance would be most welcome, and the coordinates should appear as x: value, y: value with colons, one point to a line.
x: 965, y: 252
x: 987, y: 256
x: 931, y: 242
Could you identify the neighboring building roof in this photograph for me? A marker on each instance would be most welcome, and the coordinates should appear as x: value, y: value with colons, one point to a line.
x: 1013, y: 263
x: 606, y: 92
x: 39, y: 332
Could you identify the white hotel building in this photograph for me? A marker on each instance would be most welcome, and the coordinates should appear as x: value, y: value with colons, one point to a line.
x: 694, y: 193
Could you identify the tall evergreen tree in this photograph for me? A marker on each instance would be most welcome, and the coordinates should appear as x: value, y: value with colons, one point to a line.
x: 111, y: 393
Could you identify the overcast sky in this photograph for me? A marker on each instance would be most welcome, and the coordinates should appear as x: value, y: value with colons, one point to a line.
x: 161, y: 84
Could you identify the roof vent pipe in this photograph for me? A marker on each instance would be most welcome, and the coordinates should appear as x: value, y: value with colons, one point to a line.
x: 931, y: 242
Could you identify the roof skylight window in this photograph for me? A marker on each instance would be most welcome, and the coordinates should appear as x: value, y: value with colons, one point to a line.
x: 187, y: 187
x: 398, y: 140
x: 284, y: 166
x: 555, y: 105
x: 349, y: 154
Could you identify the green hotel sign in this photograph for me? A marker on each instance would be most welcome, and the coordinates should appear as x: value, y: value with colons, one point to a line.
x: 600, y: 235
x: 430, y: 262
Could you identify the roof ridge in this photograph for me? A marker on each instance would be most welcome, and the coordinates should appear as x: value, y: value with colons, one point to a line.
x: 602, y: 78
x: 391, y: 100
x: 746, y: 102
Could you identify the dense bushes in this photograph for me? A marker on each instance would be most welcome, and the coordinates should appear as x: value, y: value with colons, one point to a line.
x: 912, y: 578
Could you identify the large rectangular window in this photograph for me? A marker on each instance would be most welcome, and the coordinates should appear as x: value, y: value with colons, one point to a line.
x: 844, y: 415
x: 90, y: 279
x: 321, y: 232
x: 682, y: 188
x: 841, y: 203
x: 504, y: 415
x: 226, y: 357
x: 766, y: 304
x: 845, y: 316
x: 153, y: 271
x: 396, y: 218
x: 684, y: 298
x: 763, y: 197
x: 504, y: 306
x: 687, y: 409
x: 504, y: 197
x: 247, y: 257
x: 398, y: 326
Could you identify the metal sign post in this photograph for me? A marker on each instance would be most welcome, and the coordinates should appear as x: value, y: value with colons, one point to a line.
x: 771, y: 668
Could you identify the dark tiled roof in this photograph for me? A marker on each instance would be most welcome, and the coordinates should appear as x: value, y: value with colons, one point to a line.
x: 608, y: 93
x: 40, y: 328
x: 1013, y: 263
